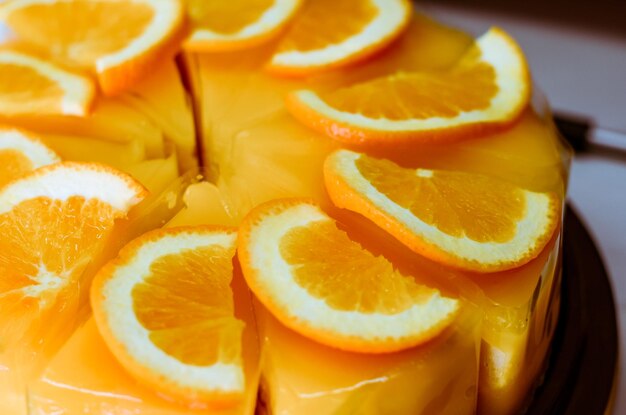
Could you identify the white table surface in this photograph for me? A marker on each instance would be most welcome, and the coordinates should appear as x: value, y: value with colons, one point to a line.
x: 583, y: 72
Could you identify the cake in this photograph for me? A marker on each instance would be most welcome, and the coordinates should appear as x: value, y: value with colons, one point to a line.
x: 243, y: 132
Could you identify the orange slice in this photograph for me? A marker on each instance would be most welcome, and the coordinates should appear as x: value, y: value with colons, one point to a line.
x: 486, y: 90
x: 52, y: 222
x: 21, y: 153
x: 322, y: 284
x: 466, y: 220
x: 29, y: 86
x: 229, y: 25
x: 121, y: 41
x: 165, y: 308
x: 331, y: 33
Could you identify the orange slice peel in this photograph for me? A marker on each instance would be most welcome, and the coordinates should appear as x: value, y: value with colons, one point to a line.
x: 234, y: 25
x: 68, y: 179
x: 119, y: 41
x: 21, y: 153
x: 53, y: 221
x: 165, y: 309
x: 469, y: 221
x: 31, y: 86
x: 488, y: 89
x: 323, y: 285
x: 351, y: 32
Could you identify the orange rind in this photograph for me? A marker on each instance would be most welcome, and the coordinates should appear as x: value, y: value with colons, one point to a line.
x: 165, y: 309
x: 233, y: 25
x: 487, y: 90
x: 119, y: 41
x: 465, y: 220
x: 20, y: 153
x: 32, y: 86
x: 53, y: 221
x: 328, y: 34
x: 325, y: 286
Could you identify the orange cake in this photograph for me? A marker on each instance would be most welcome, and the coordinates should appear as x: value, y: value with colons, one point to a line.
x: 256, y: 151
x: 271, y: 206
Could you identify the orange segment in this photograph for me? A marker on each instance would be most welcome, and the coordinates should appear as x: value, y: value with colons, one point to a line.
x: 228, y: 25
x: 120, y: 41
x: 331, y: 33
x: 487, y: 89
x: 30, y: 86
x: 322, y: 284
x: 165, y: 308
x: 52, y: 222
x: 466, y: 220
x: 20, y: 153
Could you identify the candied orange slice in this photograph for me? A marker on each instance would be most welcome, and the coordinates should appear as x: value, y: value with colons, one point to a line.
x: 20, y: 153
x: 29, y: 85
x: 322, y: 284
x: 121, y: 41
x: 52, y: 222
x: 165, y: 308
x: 331, y: 33
x: 219, y: 25
x: 487, y: 89
x: 466, y: 220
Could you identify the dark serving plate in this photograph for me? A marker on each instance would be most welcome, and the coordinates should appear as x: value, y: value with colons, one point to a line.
x: 582, y: 366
